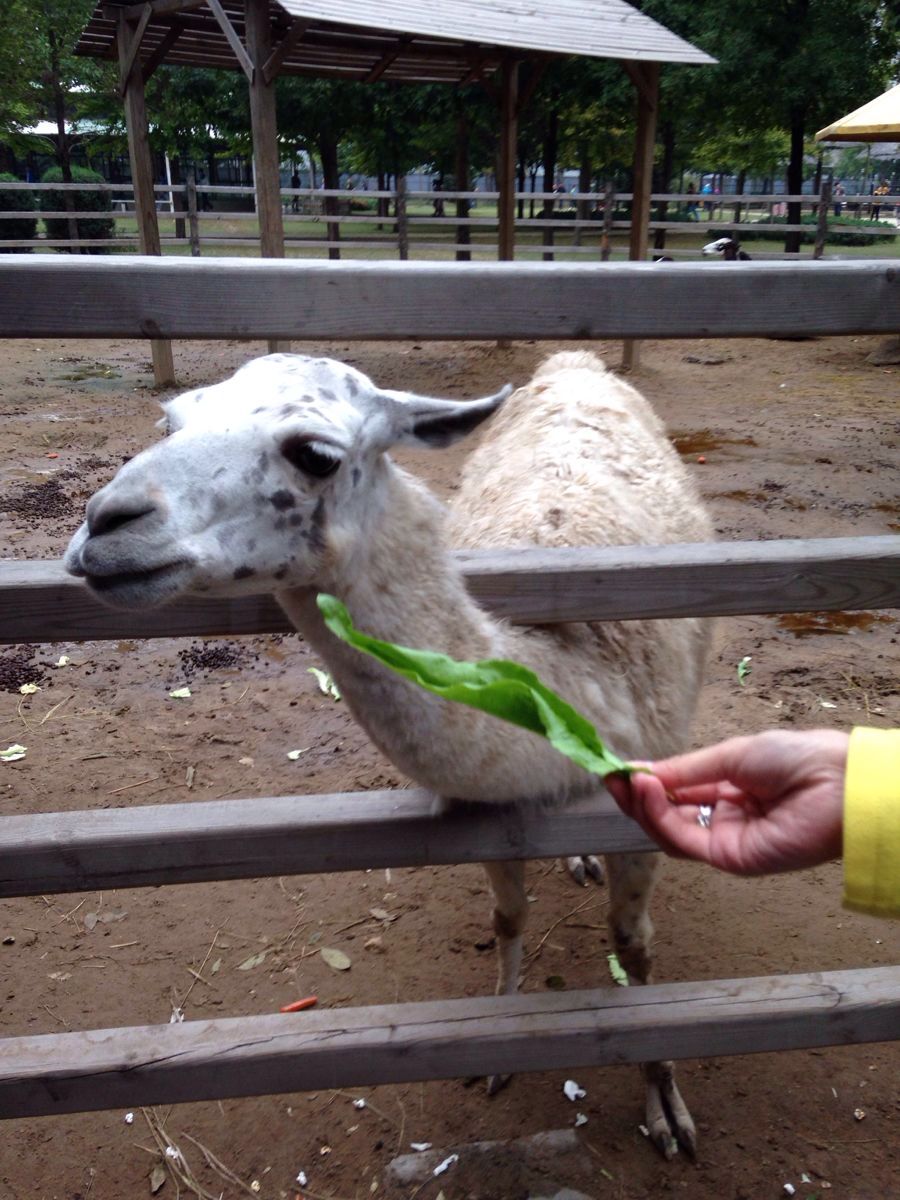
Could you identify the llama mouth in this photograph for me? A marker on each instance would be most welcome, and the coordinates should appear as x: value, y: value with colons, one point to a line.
x: 139, y: 589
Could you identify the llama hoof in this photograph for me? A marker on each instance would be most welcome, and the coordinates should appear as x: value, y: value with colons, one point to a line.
x: 496, y: 1083
x: 670, y: 1124
x: 580, y: 866
x: 594, y: 868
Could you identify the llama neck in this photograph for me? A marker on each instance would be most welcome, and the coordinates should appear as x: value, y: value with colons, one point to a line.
x: 393, y: 572
x: 400, y: 584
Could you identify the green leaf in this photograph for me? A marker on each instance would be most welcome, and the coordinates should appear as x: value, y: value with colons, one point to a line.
x: 13, y: 753
x: 743, y: 669
x: 327, y: 686
x: 496, y: 686
x: 617, y: 970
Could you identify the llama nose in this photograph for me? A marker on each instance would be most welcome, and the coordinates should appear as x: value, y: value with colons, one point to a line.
x: 108, y: 513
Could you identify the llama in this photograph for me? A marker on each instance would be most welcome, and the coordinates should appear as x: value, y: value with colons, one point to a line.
x: 278, y: 480
x: 729, y: 248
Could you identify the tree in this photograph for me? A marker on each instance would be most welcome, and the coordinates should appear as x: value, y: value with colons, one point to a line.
x: 790, y: 64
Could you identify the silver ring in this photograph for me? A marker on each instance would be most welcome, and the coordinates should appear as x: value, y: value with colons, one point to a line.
x: 704, y: 816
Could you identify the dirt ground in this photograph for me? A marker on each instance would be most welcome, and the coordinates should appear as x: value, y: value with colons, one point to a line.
x: 799, y: 439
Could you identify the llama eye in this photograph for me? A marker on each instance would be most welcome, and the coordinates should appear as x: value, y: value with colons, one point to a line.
x: 310, y: 458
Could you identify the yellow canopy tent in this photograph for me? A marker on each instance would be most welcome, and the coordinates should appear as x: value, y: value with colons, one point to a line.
x: 877, y: 121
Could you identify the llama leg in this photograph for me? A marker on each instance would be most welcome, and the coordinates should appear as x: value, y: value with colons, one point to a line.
x: 580, y: 866
x: 507, y: 881
x: 631, y: 880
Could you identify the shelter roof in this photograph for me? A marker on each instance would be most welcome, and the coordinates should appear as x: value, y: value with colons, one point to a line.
x: 453, y: 42
x: 877, y: 121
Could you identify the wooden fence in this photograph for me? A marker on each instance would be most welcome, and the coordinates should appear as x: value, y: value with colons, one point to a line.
x: 579, y: 223
x: 76, y: 851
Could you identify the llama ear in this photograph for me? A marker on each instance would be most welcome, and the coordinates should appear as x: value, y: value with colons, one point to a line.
x: 423, y: 422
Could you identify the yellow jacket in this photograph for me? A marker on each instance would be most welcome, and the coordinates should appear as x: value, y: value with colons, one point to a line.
x: 872, y: 822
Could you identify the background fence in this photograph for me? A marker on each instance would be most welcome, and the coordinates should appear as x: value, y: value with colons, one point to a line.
x: 78, y: 1071
x: 207, y: 219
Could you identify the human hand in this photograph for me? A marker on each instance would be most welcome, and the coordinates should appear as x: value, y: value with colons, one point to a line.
x: 776, y: 799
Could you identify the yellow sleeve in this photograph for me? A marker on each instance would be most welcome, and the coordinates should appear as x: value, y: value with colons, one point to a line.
x: 872, y: 822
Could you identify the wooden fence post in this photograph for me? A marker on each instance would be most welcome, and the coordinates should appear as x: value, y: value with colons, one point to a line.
x: 822, y: 219
x: 193, y: 220
x: 402, y: 219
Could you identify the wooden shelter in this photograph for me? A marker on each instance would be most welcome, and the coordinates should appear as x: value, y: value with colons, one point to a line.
x: 458, y: 42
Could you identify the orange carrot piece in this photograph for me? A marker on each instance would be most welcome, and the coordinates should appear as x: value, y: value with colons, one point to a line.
x: 299, y: 1005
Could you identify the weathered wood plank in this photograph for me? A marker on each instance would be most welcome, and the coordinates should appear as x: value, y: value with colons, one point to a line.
x: 290, y: 835
x: 299, y: 299
x: 39, y: 602
x: 251, y: 1056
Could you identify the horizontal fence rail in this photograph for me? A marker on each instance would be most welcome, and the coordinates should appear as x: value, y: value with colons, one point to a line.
x: 39, y: 601
x: 47, y: 853
x: 313, y: 1051
x: 405, y: 217
x: 145, y: 297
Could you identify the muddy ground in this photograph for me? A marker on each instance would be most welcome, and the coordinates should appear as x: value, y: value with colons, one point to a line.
x: 799, y: 439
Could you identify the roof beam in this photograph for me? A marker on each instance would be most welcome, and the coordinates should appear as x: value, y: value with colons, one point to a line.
x: 389, y: 56
x: 176, y: 28
x: 232, y: 38
x: 158, y: 8
x: 276, y: 59
x: 134, y: 38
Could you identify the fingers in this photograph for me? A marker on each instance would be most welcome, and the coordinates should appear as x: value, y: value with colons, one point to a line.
x: 707, y: 766
x: 673, y: 828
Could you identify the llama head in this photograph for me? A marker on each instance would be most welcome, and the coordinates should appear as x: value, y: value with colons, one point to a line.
x: 725, y: 246
x: 241, y: 495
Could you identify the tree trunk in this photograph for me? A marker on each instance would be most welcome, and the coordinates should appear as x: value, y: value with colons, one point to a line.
x: 662, y: 180
x: 328, y: 152
x: 795, y: 182
x: 63, y: 156
x: 463, y: 232
x: 551, y: 149
x: 741, y: 182
x: 381, y: 205
x: 583, y: 207
x: 178, y: 194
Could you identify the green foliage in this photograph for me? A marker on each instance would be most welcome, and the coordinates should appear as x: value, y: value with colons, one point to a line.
x: 57, y: 228
x: 22, y: 229
x: 856, y: 236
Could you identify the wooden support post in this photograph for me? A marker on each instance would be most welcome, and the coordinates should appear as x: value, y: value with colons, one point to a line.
x: 506, y: 205
x: 645, y: 77
x: 402, y: 219
x: 265, y: 138
x: 142, y: 179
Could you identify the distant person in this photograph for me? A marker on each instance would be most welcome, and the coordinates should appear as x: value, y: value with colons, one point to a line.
x: 203, y: 197
x: 709, y: 205
x: 692, y: 211
x: 295, y: 200
x: 881, y: 190
x: 438, y: 202
x: 838, y: 198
